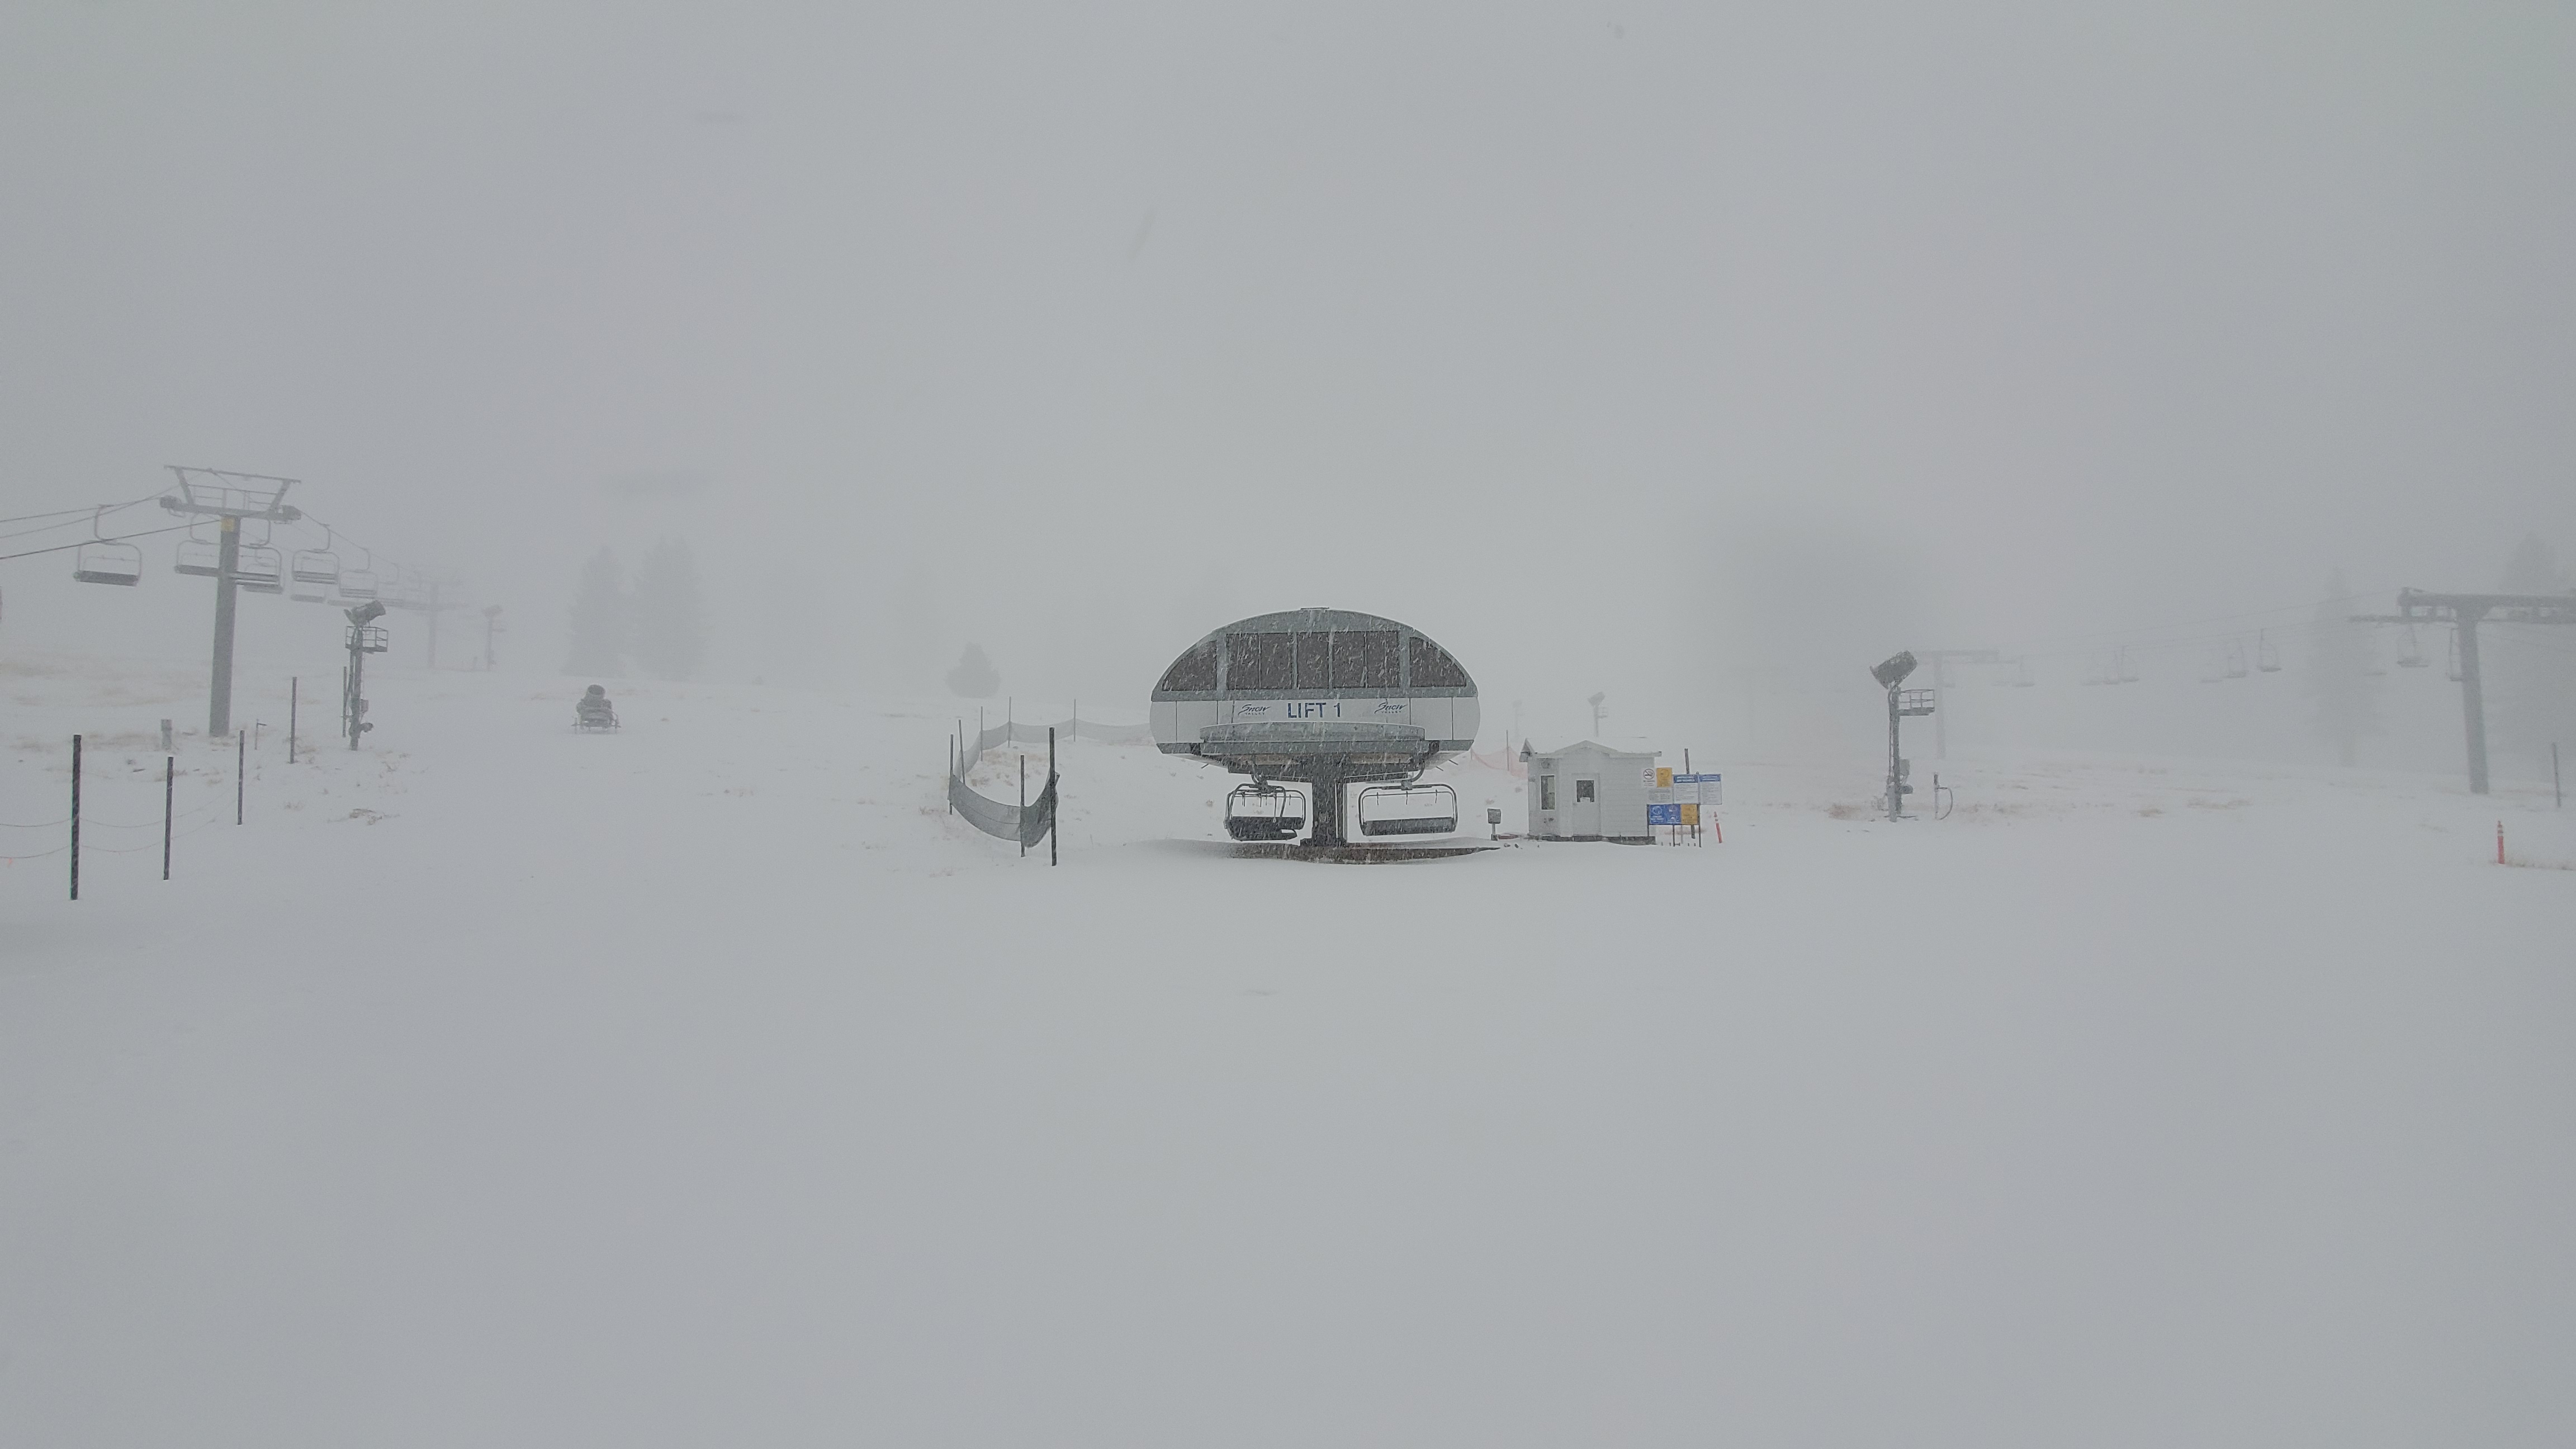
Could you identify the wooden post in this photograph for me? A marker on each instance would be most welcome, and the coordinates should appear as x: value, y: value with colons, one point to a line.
x: 76, y: 774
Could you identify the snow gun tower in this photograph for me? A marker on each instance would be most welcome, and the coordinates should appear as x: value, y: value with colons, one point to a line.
x: 1327, y: 698
x: 1901, y: 702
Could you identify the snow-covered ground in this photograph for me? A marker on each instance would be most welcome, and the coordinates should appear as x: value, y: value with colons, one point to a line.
x: 709, y: 1084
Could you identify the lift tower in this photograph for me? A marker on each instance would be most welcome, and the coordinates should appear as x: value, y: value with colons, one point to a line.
x: 1941, y: 660
x: 230, y: 497
x: 2464, y: 612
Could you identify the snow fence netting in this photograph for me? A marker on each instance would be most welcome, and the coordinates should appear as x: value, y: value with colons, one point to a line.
x: 1077, y: 728
x: 1028, y: 824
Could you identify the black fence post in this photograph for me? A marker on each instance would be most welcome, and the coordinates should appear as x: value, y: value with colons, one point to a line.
x: 1024, y: 804
x: 169, y: 791
x: 1055, y: 798
x: 76, y: 774
x: 241, y: 765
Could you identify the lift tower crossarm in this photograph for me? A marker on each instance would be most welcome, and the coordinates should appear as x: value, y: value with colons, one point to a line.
x: 2464, y: 612
x: 230, y: 498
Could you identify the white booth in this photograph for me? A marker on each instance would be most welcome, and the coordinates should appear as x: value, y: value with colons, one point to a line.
x: 1590, y: 791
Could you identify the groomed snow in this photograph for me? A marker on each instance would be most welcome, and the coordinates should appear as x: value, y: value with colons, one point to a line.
x: 709, y: 1084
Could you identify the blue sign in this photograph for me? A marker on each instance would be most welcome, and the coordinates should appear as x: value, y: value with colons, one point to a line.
x: 1663, y: 815
x: 1697, y: 779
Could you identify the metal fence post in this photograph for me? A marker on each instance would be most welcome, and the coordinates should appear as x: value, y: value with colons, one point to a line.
x: 1024, y: 803
x: 241, y: 763
x: 1055, y: 798
x: 169, y: 790
x: 76, y: 774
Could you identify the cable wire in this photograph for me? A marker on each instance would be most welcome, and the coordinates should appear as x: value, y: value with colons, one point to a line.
x: 86, y: 542
x: 87, y: 508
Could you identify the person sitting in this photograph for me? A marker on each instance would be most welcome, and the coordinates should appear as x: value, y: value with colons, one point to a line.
x: 594, y: 709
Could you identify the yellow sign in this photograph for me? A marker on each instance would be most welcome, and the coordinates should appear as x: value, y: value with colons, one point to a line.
x: 1663, y: 779
x: 1690, y: 815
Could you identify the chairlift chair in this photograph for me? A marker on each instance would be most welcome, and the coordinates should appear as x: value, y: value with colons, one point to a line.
x: 1408, y: 810
x: 1264, y: 812
x: 2413, y: 658
x: 2451, y: 658
x: 2267, y: 655
x: 315, y: 574
x: 107, y: 562
x: 201, y: 558
x: 260, y: 569
x: 2236, y: 659
x: 358, y: 584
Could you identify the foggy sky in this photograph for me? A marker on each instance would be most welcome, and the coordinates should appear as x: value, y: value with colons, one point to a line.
x: 1621, y: 347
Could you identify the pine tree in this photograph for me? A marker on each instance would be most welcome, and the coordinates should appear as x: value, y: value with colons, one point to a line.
x: 2339, y: 677
x: 599, y: 619
x: 975, y: 677
x: 670, y: 628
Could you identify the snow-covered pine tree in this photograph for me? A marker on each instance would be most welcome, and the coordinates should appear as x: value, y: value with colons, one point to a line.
x: 669, y: 620
x: 975, y: 677
x: 2339, y: 681
x: 599, y: 619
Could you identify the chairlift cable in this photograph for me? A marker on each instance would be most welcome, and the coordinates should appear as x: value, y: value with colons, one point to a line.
x: 86, y: 542
x: 85, y: 508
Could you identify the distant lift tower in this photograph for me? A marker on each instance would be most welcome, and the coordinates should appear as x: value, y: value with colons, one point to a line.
x: 1942, y: 659
x: 2463, y: 612
x: 230, y: 497
x: 1901, y: 702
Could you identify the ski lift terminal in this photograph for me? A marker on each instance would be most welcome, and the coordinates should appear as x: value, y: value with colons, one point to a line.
x: 1325, y: 697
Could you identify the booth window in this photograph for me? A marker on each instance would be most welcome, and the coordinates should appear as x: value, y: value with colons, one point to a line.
x: 1434, y: 669
x: 1367, y: 659
x: 1312, y: 653
x: 1260, y: 661
x: 1583, y: 790
x: 1194, y: 672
